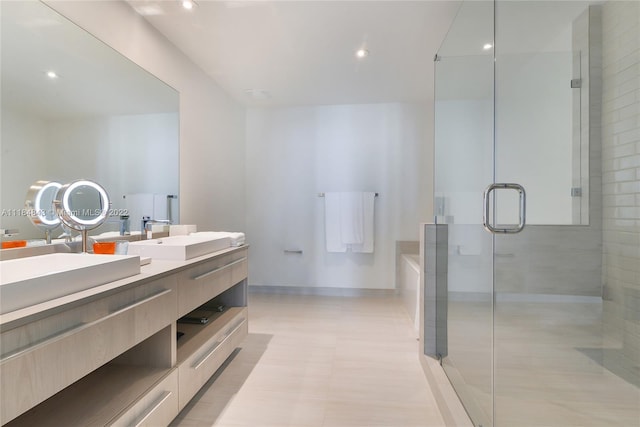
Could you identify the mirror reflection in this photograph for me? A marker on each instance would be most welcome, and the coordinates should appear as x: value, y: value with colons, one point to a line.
x: 39, y: 202
x: 40, y: 209
x: 73, y: 107
x: 82, y: 205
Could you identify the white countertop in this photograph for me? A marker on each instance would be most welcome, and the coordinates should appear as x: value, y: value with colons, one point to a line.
x: 156, y: 269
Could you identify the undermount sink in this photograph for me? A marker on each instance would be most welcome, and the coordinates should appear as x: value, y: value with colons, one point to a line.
x: 178, y: 248
x: 33, y: 280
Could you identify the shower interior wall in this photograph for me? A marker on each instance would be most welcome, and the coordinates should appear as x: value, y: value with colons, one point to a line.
x: 621, y: 178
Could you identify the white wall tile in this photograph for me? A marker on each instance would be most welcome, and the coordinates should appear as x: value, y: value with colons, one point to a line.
x: 621, y: 188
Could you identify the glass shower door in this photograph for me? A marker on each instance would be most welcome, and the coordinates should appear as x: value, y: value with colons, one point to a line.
x: 463, y: 169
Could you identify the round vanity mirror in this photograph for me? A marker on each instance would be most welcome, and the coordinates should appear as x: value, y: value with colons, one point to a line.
x: 82, y: 205
x: 39, y: 206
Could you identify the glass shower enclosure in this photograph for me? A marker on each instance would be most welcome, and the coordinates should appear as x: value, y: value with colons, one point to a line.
x: 537, y: 178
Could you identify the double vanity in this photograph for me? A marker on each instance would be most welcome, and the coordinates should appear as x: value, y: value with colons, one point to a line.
x: 102, y: 340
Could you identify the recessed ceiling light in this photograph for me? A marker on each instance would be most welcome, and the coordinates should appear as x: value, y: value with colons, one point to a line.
x: 487, y: 46
x: 362, y: 53
x: 188, y: 4
x: 258, y: 94
x: 52, y: 74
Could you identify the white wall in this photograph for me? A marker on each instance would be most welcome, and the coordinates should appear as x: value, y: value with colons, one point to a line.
x: 463, y: 169
x: 464, y: 153
x: 295, y: 153
x: 212, y: 190
x: 534, y: 134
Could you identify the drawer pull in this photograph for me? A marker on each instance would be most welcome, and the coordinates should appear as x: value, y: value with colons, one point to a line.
x: 215, y: 270
x: 155, y: 405
x: 235, y: 326
x: 217, y: 344
x: 81, y: 327
x: 203, y: 359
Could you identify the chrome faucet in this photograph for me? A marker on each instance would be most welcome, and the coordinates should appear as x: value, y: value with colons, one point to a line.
x: 146, y: 223
x: 123, y: 224
x: 7, y: 232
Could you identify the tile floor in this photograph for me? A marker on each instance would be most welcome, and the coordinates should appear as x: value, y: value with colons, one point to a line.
x: 320, y: 361
x: 553, y: 365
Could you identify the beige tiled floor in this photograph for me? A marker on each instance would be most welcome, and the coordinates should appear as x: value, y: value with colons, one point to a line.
x: 320, y: 361
x: 548, y: 364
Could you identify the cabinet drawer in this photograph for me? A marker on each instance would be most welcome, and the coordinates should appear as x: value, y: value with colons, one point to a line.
x: 196, y: 370
x: 207, y: 280
x: 36, y: 364
x: 158, y: 407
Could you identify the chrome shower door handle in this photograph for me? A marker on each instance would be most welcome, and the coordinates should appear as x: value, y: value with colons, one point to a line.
x: 487, y: 206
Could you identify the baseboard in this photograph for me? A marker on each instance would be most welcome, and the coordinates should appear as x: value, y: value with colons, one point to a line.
x: 322, y: 291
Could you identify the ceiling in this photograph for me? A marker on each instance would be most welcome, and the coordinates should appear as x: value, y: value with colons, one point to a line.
x: 269, y: 53
x: 284, y: 53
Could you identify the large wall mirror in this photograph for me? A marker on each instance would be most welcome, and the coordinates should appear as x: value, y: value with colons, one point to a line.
x: 74, y: 108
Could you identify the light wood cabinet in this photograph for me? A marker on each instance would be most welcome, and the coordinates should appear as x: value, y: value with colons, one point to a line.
x: 209, y: 279
x: 155, y: 408
x: 114, y: 359
x: 206, y: 348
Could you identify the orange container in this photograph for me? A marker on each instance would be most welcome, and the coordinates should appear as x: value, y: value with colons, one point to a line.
x: 14, y: 244
x: 104, y: 248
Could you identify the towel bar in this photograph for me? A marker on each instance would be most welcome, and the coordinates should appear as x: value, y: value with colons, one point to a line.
x: 322, y: 194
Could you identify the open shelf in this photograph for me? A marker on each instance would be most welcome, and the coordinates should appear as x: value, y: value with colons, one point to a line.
x: 195, y: 336
x: 95, y: 399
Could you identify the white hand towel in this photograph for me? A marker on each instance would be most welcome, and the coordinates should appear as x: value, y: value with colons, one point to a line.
x: 349, y: 221
x: 160, y: 206
x: 352, y: 218
x: 332, y: 223
x: 368, y: 202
